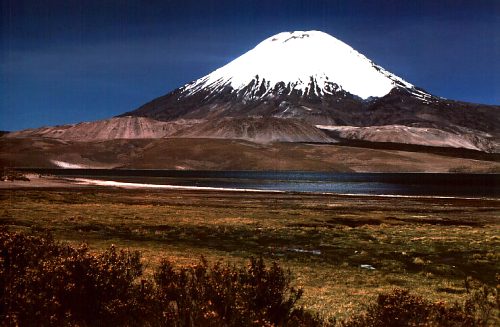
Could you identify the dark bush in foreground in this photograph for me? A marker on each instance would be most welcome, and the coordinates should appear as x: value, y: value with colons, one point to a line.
x: 223, y: 295
x: 43, y: 282
x: 400, y: 308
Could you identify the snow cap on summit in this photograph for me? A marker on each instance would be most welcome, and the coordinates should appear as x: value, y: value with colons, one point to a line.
x: 299, y: 57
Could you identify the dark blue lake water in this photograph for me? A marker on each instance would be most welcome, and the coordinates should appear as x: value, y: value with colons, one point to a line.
x: 423, y: 184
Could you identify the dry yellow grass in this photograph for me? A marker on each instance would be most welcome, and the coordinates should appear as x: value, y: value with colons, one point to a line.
x: 427, y: 245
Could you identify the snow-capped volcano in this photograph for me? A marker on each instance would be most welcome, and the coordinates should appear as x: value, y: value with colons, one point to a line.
x: 308, y: 86
x: 311, y: 62
x: 300, y: 87
x: 305, y: 74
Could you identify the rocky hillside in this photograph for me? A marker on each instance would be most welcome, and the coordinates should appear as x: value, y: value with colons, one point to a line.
x: 114, y: 128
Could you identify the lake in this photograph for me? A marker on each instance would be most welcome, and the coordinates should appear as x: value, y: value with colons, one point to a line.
x: 417, y: 184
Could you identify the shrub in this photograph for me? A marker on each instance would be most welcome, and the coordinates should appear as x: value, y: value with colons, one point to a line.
x: 222, y: 295
x: 483, y: 303
x: 50, y: 283
x: 8, y: 174
x: 43, y: 282
x: 400, y: 308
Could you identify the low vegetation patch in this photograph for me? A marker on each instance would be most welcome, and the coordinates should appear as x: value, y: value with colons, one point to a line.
x: 400, y: 308
x: 45, y: 282
x: 7, y: 174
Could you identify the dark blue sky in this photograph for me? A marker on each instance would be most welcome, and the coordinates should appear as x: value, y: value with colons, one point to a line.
x: 73, y: 60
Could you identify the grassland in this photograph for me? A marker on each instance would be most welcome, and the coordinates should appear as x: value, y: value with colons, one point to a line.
x: 427, y: 245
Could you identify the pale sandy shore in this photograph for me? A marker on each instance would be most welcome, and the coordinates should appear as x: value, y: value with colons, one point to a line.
x: 40, y: 181
x: 37, y: 181
x: 95, y: 182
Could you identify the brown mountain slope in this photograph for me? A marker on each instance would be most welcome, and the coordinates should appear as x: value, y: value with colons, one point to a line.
x: 398, y: 117
x: 427, y: 136
x: 251, y: 129
x: 257, y: 130
x: 114, y: 128
x: 219, y: 154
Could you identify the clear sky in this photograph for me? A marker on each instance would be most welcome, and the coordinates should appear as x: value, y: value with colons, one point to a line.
x: 66, y: 61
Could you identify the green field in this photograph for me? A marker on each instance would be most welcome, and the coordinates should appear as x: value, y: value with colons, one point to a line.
x: 429, y: 246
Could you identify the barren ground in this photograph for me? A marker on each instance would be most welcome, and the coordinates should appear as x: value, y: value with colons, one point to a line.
x: 218, y: 154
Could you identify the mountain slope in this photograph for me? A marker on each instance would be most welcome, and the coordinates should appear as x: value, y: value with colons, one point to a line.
x: 129, y: 127
x: 224, y: 154
x: 114, y: 128
x: 258, y: 130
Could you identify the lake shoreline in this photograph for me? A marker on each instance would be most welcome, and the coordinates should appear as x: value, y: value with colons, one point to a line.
x: 380, y: 184
x: 57, y: 182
